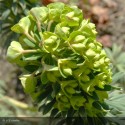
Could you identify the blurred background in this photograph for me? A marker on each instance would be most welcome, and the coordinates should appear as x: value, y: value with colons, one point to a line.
x: 109, y: 17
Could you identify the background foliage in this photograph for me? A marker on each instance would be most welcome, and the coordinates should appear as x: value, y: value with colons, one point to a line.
x: 11, y: 11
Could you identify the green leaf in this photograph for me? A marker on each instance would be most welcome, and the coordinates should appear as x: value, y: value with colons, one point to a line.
x: 77, y: 101
x: 102, y: 95
x: 69, y: 90
x: 33, y: 1
x: 57, y: 5
x: 53, y: 69
x: 68, y: 87
x: 49, y: 68
x: 82, y: 112
x: 39, y: 13
x: 71, y: 15
x: 44, y: 78
x: 98, y: 105
x: 88, y: 86
x: 5, y: 14
x: 118, y: 76
x: 29, y: 83
x: 62, y: 31
x: 116, y: 50
x: 63, y: 106
x: 31, y: 56
x: 116, y: 102
x: 14, y: 51
x: 55, y: 10
x: 77, y: 41
x: 51, y: 41
x: 85, y: 78
x: 109, y: 53
x: 87, y: 29
x: 47, y: 107
x: 65, y: 66
x: 56, y: 89
x: 22, y: 26
x: 26, y: 42
x: 14, y: 9
x: 31, y: 68
x: 41, y: 94
x: 51, y: 77
x: 60, y: 97
x: 106, y: 88
x: 54, y: 112
x: 115, y: 120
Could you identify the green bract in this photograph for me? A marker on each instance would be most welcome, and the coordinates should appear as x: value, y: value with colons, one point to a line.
x: 64, y: 65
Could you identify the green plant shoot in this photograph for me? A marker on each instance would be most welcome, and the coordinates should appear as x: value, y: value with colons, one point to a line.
x: 63, y: 64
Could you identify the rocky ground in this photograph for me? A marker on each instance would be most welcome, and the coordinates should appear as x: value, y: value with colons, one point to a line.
x: 9, y: 74
x: 109, y: 16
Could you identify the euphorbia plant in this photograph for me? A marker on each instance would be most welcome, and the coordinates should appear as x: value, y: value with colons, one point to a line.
x: 63, y: 64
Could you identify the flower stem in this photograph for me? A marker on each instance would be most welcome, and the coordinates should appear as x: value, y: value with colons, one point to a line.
x: 29, y: 51
x: 30, y: 37
x: 49, y: 25
x: 39, y: 26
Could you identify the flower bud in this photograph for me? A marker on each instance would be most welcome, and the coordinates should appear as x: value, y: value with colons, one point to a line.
x: 96, y: 64
x: 49, y: 42
x: 97, y: 57
x: 76, y: 19
x: 70, y: 14
x: 79, y: 38
x: 90, y: 53
x: 107, y: 60
x: 78, y: 47
x: 65, y: 30
x: 101, y: 61
x: 92, y: 45
x: 67, y: 71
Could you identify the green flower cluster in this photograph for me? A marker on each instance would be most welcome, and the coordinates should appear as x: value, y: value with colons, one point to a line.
x: 63, y: 63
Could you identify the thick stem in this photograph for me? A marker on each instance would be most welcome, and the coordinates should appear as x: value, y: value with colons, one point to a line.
x: 37, y: 22
x: 39, y: 26
x: 30, y: 37
x: 49, y: 25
